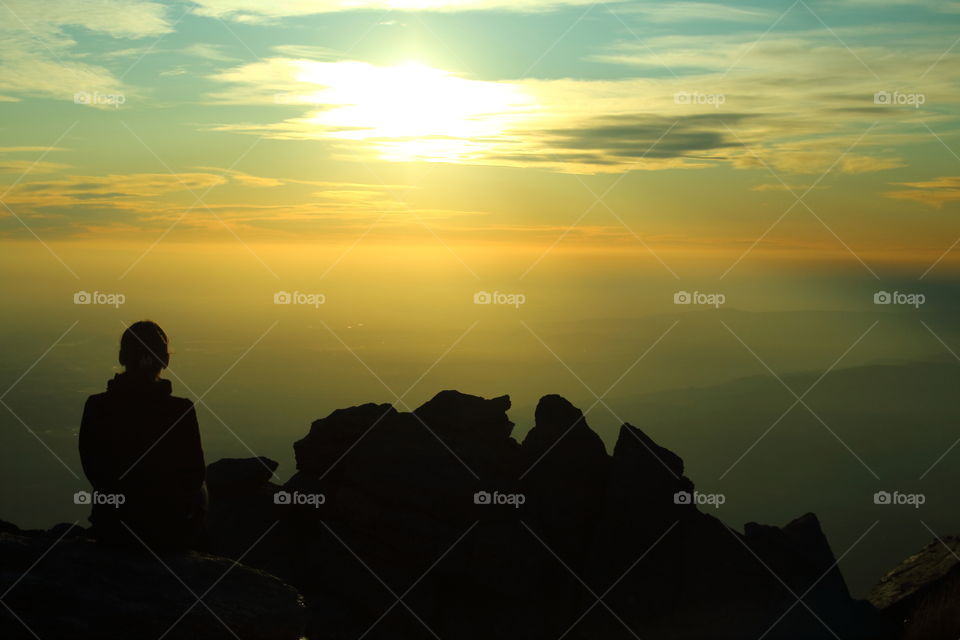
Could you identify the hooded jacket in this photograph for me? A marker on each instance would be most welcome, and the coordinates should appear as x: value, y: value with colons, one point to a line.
x: 139, y: 441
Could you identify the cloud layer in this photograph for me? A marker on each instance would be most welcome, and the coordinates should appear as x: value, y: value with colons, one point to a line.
x: 39, y: 55
x: 742, y: 109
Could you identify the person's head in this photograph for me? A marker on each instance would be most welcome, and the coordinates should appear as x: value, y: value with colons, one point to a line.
x: 143, y: 349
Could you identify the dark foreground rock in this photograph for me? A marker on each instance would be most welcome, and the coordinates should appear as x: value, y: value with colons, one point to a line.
x: 922, y: 593
x: 437, y: 523
x: 61, y: 585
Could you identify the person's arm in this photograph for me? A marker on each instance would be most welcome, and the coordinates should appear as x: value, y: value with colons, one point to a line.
x: 93, y: 454
x: 195, y: 469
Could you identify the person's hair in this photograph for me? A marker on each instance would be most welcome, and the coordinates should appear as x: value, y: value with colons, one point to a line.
x: 143, y: 348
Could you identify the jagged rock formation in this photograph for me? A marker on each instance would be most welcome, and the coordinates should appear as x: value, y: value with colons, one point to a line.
x: 923, y: 592
x: 437, y: 522
x: 59, y: 584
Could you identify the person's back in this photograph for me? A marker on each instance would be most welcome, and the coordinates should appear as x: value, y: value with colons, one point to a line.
x: 140, y: 442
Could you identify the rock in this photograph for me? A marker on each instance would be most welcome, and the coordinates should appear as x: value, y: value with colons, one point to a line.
x: 809, y: 558
x: 908, y: 581
x: 239, y: 476
x: 8, y: 527
x: 398, y: 491
x: 465, y: 417
x: 692, y: 576
x: 68, y: 587
x: 331, y: 437
x: 922, y: 593
x: 563, y: 478
x: 637, y: 508
x: 243, y: 519
x: 388, y: 504
x: 561, y: 427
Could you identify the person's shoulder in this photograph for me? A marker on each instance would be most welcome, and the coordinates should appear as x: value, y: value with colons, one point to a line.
x: 184, y: 411
x: 93, y: 410
x: 96, y: 399
x: 165, y: 388
x: 184, y: 404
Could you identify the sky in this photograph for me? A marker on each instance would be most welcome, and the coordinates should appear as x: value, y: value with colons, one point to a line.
x: 330, y: 203
x: 822, y: 131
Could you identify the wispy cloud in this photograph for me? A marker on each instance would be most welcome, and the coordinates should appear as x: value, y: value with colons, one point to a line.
x: 18, y: 160
x: 588, y: 126
x: 934, y: 193
x: 119, y: 204
x: 258, y: 11
x: 694, y: 11
x: 39, y: 56
x: 23, y: 166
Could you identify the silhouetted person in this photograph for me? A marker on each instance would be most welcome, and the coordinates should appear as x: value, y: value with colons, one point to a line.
x: 140, y: 442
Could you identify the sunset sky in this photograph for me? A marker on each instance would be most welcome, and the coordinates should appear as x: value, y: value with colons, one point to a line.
x: 670, y: 130
x: 401, y: 158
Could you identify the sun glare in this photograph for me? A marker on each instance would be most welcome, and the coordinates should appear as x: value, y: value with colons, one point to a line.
x: 412, y: 111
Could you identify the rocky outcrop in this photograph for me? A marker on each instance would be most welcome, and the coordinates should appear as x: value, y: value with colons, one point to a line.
x: 242, y: 513
x: 564, y: 474
x: 59, y: 584
x: 399, y: 491
x: 922, y: 593
x: 436, y: 521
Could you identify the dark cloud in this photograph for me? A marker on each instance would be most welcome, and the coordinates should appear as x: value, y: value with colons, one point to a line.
x: 63, y: 186
x: 612, y: 140
x: 572, y: 158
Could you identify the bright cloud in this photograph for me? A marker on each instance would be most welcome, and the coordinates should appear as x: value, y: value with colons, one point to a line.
x: 39, y: 57
x: 415, y: 112
x: 934, y: 193
x: 257, y: 10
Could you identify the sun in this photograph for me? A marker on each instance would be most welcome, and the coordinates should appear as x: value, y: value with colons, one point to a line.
x: 411, y: 111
